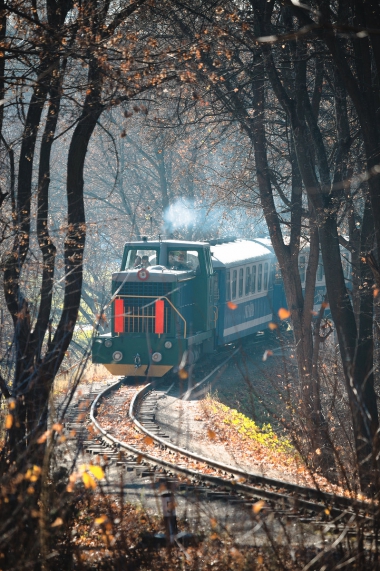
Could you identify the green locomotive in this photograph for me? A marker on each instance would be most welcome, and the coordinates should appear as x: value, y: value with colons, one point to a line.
x: 163, y: 312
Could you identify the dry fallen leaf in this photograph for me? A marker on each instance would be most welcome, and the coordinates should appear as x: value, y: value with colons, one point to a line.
x: 8, y: 421
x: 211, y: 434
x: 148, y: 440
x: 57, y: 522
x: 231, y: 305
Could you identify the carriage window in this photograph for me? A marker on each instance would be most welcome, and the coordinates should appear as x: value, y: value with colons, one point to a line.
x: 247, y: 280
x: 302, y: 267
x: 234, y: 280
x: 320, y: 271
x: 137, y: 259
x: 228, y: 286
x: 266, y: 276
x: 241, y: 280
x: 253, y: 279
x: 260, y: 277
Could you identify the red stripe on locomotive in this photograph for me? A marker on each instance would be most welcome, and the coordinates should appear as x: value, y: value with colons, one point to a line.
x: 119, y: 315
x: 159, y: 321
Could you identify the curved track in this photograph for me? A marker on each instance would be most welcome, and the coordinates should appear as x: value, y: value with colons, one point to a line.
x: 224, y: 481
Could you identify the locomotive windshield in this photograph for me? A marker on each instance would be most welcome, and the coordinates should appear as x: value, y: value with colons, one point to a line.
x: 137, y: 259
x: 183, y: 260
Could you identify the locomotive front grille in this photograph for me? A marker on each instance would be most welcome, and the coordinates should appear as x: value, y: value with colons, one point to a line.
x: 143, y: 289
x: 138, y: 315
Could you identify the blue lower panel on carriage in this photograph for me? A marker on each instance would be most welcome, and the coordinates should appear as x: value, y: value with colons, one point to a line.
x: 249, y: 317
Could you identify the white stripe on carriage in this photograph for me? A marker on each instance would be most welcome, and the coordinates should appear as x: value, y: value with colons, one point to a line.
x: 247, y: 325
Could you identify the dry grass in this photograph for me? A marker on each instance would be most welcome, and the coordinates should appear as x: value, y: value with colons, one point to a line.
x: 90, y: 374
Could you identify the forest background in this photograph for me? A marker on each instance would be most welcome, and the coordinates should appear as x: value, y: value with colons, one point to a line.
x: 192, y: 120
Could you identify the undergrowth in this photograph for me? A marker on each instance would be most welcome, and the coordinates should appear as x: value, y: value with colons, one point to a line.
x: 247, y: 428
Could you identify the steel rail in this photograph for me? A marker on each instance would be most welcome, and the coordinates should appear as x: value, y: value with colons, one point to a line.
x: 302, y: 491
x: 239, y: 487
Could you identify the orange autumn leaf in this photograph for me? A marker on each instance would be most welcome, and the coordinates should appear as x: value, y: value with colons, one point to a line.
x: 272, y: 326
x: 376, y: 292
x: 148, y: 440
x: 231, y: 305
x: 43, y: 437
x: 97, y: 471
x: 258, y: 506
x: 57, y: 427
x: 324, y: 304
x: 88, y: 481
x: 283, y: 313
x: 182, y: 373
x: 11, y: 404
x: 8, y: 421
x: 57, y: 522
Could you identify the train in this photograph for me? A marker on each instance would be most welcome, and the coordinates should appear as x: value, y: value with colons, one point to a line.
x: 174, y: 300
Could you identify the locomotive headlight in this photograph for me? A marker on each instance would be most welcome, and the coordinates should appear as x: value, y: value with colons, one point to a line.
x: 156, y: 357
x: 117, y: 356
x: 168, y: 344
x: 108, y: 343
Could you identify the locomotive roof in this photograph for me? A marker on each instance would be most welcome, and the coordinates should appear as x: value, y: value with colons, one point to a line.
x: 144, y: 244
x: 239, y: 252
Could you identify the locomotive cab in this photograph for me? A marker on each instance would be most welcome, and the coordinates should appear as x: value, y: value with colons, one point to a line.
x: 160, y: 315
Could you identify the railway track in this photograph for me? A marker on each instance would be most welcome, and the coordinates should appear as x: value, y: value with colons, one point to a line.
x: 211, y: 479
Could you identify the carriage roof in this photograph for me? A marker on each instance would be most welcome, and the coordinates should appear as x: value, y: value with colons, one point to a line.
x: 239, y: 252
